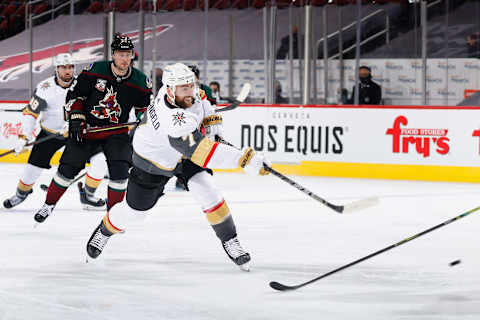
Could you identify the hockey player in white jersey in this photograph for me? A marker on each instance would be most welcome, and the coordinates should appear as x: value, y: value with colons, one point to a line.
x: 169, y: 142
x: 47, y: 101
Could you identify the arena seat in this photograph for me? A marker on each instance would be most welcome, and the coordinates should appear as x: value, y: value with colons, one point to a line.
x: 95, y: 7
x: 240, y: 4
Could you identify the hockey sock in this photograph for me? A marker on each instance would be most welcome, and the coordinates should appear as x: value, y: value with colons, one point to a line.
x: 116, y: 192
x: 221, y: 221
x: 108, y: 225
x: 57, y: 188
x: 23, y: 190
x: 91, y: 185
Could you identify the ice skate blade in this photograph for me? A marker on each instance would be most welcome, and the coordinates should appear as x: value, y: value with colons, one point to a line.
x: 88, y: 207
x: 245, y: 267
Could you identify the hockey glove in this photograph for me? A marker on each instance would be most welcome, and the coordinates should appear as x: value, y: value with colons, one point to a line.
x: 20, y: 145
x: 252, y: 162
x: 76, y: 127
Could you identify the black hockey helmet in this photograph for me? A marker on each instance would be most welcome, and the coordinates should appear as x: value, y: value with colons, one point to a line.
x: 121, y: 42
x: 195, y: 70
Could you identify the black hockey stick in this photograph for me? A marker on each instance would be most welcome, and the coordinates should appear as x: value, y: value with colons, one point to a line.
x: 240, y: 98
x: 353, y: 206
x: 349, y: 207
x: 282, y: 287
x: 44, y: 187
x: 53, y: 136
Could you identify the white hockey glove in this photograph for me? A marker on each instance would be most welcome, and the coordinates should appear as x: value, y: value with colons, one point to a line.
x: 213, y: 126
x: 252, y: 162
x: 19, y: 145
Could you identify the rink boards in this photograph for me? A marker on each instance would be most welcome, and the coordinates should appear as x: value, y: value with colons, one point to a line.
x: 387, y: 142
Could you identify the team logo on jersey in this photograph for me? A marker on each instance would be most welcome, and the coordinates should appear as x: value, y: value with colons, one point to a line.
x: 178, y: 118
x: 101, y: 83
x: 45, y: 85
x: 108, y: 107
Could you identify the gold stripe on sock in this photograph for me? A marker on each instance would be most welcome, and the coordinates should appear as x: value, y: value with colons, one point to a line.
x: 91, y: 182
x: 24, y: 187
x: 218, y: 213
x: 110, y: 227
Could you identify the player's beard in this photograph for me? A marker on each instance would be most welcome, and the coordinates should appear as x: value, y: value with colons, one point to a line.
x: 185, y: 102
x: 66, y: 79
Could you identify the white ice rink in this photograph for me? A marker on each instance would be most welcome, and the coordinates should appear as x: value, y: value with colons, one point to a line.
x: 173, y: 266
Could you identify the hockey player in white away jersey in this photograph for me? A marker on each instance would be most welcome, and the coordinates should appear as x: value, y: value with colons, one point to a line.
x: 48, y: 100
x: 170, y: 143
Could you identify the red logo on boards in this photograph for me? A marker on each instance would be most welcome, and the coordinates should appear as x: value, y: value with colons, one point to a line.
x: 10, y: 129
x: 424, y: 141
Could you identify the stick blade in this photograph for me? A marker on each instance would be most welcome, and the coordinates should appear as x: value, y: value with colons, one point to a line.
x: 244, y: 92
x: 360, y: 204
x: 281, y: 287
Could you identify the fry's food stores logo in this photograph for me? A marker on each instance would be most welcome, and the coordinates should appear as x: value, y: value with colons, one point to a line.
x: 424, y: 141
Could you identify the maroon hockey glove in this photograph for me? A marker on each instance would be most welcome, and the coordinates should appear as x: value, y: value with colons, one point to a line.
x: 76, y: 127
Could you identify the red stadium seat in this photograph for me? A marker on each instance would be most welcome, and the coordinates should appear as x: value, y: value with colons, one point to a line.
x: 39, y: 8
x: 299, y: 3
x: 172, y: 5
x: 283, y: 3
x: 189, y: 5
x: 318, y: 3
x: 221, y: 4
x: 95, y: 7
x: 257, y: 4
x: 125, y: 5
x: 201, y: 4
x: 20, y: 11
x: 240, y: 4
x: 9, y: 9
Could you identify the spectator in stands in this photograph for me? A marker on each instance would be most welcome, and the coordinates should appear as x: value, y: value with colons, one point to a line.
x: 473, y: 45
x: 282, y: 52
x: 370, y: 92
x: 215, y: 86
x: 277, y: 98
x: 277, y: 88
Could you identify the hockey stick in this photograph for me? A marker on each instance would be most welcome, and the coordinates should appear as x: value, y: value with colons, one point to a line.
x: 240, y: 98
x: 44, y: 187
x: 56, y: 135
x: 89, y: 130
x: 349, y: 207
x: 281, y: 287
x: 353, y: 206
x: 11, y: 110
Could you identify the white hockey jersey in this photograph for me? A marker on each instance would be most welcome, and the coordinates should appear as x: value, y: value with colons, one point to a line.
x: 169, y: 133
x: 47, y: 100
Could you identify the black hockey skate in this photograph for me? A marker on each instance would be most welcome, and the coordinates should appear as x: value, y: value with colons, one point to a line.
x: 90, y: 202
x: 15, y: 200
x: 44, y: 212
x: 98, y: 240
x: 236, y: 253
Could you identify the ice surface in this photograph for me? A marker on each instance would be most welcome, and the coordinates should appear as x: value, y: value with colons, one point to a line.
x: 173, y: 267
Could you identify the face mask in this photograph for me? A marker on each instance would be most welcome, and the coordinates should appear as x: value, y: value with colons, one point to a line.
x: 365, y: 79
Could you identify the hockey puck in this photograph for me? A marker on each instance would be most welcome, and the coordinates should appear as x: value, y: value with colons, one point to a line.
x: 454, y: 263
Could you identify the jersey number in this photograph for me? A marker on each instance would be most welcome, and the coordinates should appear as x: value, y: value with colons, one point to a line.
x: 34, y: 103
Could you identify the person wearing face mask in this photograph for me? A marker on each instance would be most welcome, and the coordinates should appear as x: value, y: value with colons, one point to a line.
x: 370, y: 92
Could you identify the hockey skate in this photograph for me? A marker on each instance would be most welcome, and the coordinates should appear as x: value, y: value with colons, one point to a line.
x: 15, y: 200
x: 44, y: 212
x: 97, y: 241
x: 237, y: 254
x: 90, y: 202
